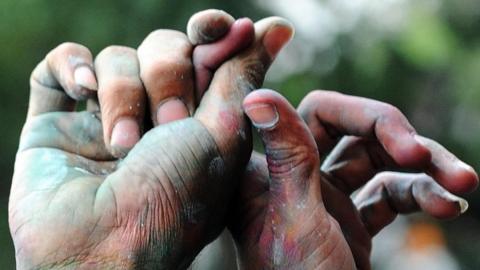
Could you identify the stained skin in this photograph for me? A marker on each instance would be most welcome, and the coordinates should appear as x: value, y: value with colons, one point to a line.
x: 354, y: 161
x: 74, y: 205
x: 284, y: 219
x: 212, y: 167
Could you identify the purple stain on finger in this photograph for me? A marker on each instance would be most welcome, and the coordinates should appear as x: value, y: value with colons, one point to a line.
x: 207, y: 58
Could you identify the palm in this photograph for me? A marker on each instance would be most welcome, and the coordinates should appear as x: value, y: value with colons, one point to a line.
x: 65, y: 204
x: 59, y: 187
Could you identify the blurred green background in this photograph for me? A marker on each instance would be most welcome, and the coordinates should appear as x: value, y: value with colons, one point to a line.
x: 421, y: 56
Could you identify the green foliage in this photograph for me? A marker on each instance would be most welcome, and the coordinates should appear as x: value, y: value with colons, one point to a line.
x: 428, y: 42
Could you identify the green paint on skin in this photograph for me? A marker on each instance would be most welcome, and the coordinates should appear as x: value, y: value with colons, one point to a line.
x: 42, y: 169
x: 195, y: 157
x: 79, y: 133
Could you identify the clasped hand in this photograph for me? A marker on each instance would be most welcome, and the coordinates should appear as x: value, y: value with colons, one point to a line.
x: 160, y: 162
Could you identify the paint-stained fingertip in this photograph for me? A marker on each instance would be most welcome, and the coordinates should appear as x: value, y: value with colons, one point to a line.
x: 461, y: 203
x: 208, y: 25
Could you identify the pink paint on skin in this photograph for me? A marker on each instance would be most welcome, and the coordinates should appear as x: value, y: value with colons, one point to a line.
x: 290, y: 246
x: 266, y: 240
x: 229, y: 121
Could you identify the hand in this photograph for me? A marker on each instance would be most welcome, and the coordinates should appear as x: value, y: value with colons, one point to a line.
x: 381, y: 141
x: 284, y: 219
x: 73, y: 204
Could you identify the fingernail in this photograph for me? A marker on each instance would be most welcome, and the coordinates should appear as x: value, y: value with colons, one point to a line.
x: 171, y: 110
x: 277, y: 37
x: 463, y: 206
x: 125, y: 135
x: 85, y: 78
x: 263, y: 116
x: 462, y: 203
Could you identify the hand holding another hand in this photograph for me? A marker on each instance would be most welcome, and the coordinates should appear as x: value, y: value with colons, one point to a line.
x: 75, y: 204
x: 293, y: 213
x: 154, y: 169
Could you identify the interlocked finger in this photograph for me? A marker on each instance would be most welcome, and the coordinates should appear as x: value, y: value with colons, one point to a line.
x: 64, y: 76
x: 167, y: 73
x: 121, y: 97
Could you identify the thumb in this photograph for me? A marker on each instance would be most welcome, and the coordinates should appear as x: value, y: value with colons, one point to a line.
x: 291, y: 151
x: 220, y: 110
x: 297, y: 229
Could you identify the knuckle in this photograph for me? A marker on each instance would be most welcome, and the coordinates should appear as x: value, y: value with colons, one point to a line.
x: 115, y: 50
x: 388, y: 111
x: 69, y: 48
x: 288, y: 160
x: 384, y: 178
x: 307, y: 106
x: 38, y: 74
x: 209, y: 25
x: 165, y: 67
x: 424, y: 182
x: 167, y: 39
x: 329, y: 92
x: 165, y: 32
x: 321, y: 94
x: 314, y: 95
x: 313, y: 99
x: 117, y: 85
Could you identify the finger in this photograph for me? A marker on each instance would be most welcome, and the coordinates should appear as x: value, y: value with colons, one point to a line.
x: 192, y: 154
x: 66, y: 74
x: 448, y: 170
x: 121, y: 98
x: 389, y: 194
x: 292, y: 158
x: 208, y: 57
x: 166, y: 71
x: 220, y: 110
x: 355, y: 160
x: 330, y: 115
x: 208, y: 26
x: 290, y: 149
